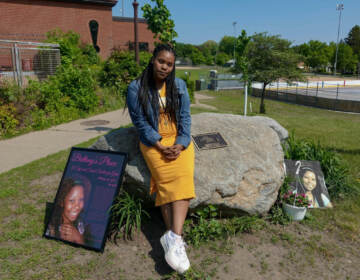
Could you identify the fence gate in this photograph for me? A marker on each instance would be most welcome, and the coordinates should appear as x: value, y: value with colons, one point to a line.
x: 20, y: 61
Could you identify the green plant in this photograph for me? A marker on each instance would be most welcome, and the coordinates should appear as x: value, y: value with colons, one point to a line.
x: 159, y: 21
x: 118, y: 71
x: 8, y: 122
x: 190, y: 84
x: 127, y: 214
x: 205, y: 225
x: 9, y: 92
x: 336, y: 172
x: 276, y: 214
x: 298, y: 200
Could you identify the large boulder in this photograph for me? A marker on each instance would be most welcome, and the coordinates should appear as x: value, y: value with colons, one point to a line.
x: 245, y: 176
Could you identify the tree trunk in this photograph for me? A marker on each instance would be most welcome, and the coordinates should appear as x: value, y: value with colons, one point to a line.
x: 262, y: 105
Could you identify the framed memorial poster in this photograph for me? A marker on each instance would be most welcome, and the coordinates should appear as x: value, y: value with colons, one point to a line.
x: 88, y: 187
x: 308, y: 179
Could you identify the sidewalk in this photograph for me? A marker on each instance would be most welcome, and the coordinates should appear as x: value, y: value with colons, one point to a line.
x: 26, y: 148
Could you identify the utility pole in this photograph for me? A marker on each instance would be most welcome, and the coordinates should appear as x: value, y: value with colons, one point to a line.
x: 339, y: 7
x: 234, y: 24
x: 136, y: 42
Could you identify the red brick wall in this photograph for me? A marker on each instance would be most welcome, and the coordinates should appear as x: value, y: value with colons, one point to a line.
x: 123, y: 32
x: 30, y: 20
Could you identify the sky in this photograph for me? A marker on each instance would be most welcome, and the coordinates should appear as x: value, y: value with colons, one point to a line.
x: 299, y: 21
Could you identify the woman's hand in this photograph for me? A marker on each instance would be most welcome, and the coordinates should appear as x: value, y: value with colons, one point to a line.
x: 174, y: 152
x: 170, y: 152
x: 70, y: 233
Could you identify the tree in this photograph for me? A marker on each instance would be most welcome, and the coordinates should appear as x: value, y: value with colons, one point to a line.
x: 226, y: 45
x: 221, y: 58
x: 209, y: 50
x: 346, y: 59
x: 353, y: 40
x: 159, y: 22
x: 271, y: 58
x: 241, y: 62
x: 319, y: 55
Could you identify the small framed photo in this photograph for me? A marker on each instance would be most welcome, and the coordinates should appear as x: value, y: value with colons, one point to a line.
x: 82, y: 206
x: 308, y: 179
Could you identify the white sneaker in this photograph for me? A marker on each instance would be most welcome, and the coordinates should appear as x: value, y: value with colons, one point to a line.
x: 175, y: 254
x: 166, y: 241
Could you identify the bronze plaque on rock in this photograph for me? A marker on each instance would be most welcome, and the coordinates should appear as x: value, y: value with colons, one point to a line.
x: 206, y: 141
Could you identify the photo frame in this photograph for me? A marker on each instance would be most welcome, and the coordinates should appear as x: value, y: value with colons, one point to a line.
x: 308, y: 178
x: 82, y: 207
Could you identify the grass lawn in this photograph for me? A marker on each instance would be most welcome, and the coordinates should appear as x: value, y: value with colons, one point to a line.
x: 322, y: 244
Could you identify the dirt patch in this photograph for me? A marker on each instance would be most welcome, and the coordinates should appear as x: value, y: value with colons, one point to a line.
x: 274, y: 252
x: 50, y: 180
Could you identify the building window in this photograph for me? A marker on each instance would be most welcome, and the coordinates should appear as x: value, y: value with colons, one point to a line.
x: 143, y: 46
x: 94, y: 30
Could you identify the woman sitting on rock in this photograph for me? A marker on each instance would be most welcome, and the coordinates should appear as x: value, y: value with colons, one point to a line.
x: 159, y: 108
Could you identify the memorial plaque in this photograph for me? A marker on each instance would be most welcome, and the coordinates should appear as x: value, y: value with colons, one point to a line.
x: 206, y: 141
x: 308, y: 179
x: 82, y: 206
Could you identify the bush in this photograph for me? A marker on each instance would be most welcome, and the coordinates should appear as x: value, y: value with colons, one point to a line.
x: 190, y: 84
x: 120, y: 69
x: 336, y: 172
x: 8, y: 122
x: 9, y: 92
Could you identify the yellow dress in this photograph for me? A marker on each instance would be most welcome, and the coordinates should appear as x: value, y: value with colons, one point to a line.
x: 170, y: 180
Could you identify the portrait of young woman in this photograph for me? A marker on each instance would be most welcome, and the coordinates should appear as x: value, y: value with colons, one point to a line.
x: 159, y: 108
x: 66, y: 222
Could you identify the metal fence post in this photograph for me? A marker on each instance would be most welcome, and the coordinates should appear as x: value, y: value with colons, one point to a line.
x: 317, y: 88
x: 18, y: 66
x: 296, y: 88
x: 13, y: 55
x: 307, y: 86
x: 337, y: 94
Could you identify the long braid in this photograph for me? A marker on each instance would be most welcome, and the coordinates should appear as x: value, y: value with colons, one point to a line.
x: 148, y: 90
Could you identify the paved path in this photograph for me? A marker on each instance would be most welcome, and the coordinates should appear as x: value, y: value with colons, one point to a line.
x: 199, y: 97
x: 26, y: 148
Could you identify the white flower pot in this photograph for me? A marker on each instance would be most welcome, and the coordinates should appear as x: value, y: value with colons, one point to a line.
x: 296, y: 213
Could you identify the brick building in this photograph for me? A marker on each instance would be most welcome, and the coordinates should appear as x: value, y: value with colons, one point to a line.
x: 29, y: 20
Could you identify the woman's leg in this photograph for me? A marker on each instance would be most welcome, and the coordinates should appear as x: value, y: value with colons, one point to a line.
x: 166, y: 211
x: 179, y: 212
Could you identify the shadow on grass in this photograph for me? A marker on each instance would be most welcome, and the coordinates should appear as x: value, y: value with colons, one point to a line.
x: 343, y: 151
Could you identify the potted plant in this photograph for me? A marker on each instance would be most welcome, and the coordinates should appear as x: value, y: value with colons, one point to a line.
x: 295, y: 205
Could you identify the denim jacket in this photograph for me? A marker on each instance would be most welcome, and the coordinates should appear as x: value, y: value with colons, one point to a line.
x: 148, y: 126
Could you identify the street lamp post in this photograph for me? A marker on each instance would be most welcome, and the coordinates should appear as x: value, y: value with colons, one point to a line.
x: 339, y: 7
x: 234, y: 24
x: 136, y: 43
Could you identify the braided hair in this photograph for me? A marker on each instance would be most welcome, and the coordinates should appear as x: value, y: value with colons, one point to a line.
x: 148, y: 93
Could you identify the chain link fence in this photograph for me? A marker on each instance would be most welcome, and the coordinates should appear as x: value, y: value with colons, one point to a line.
x: 21, y: 61
x: 332, y: 95
x: 215, y: 81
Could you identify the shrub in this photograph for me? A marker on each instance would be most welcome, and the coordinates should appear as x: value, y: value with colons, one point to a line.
x: 335, y: 170
x: 190, y: 84
x: 8, y: 122
x: 9, y: 92
x: 120, y: 69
